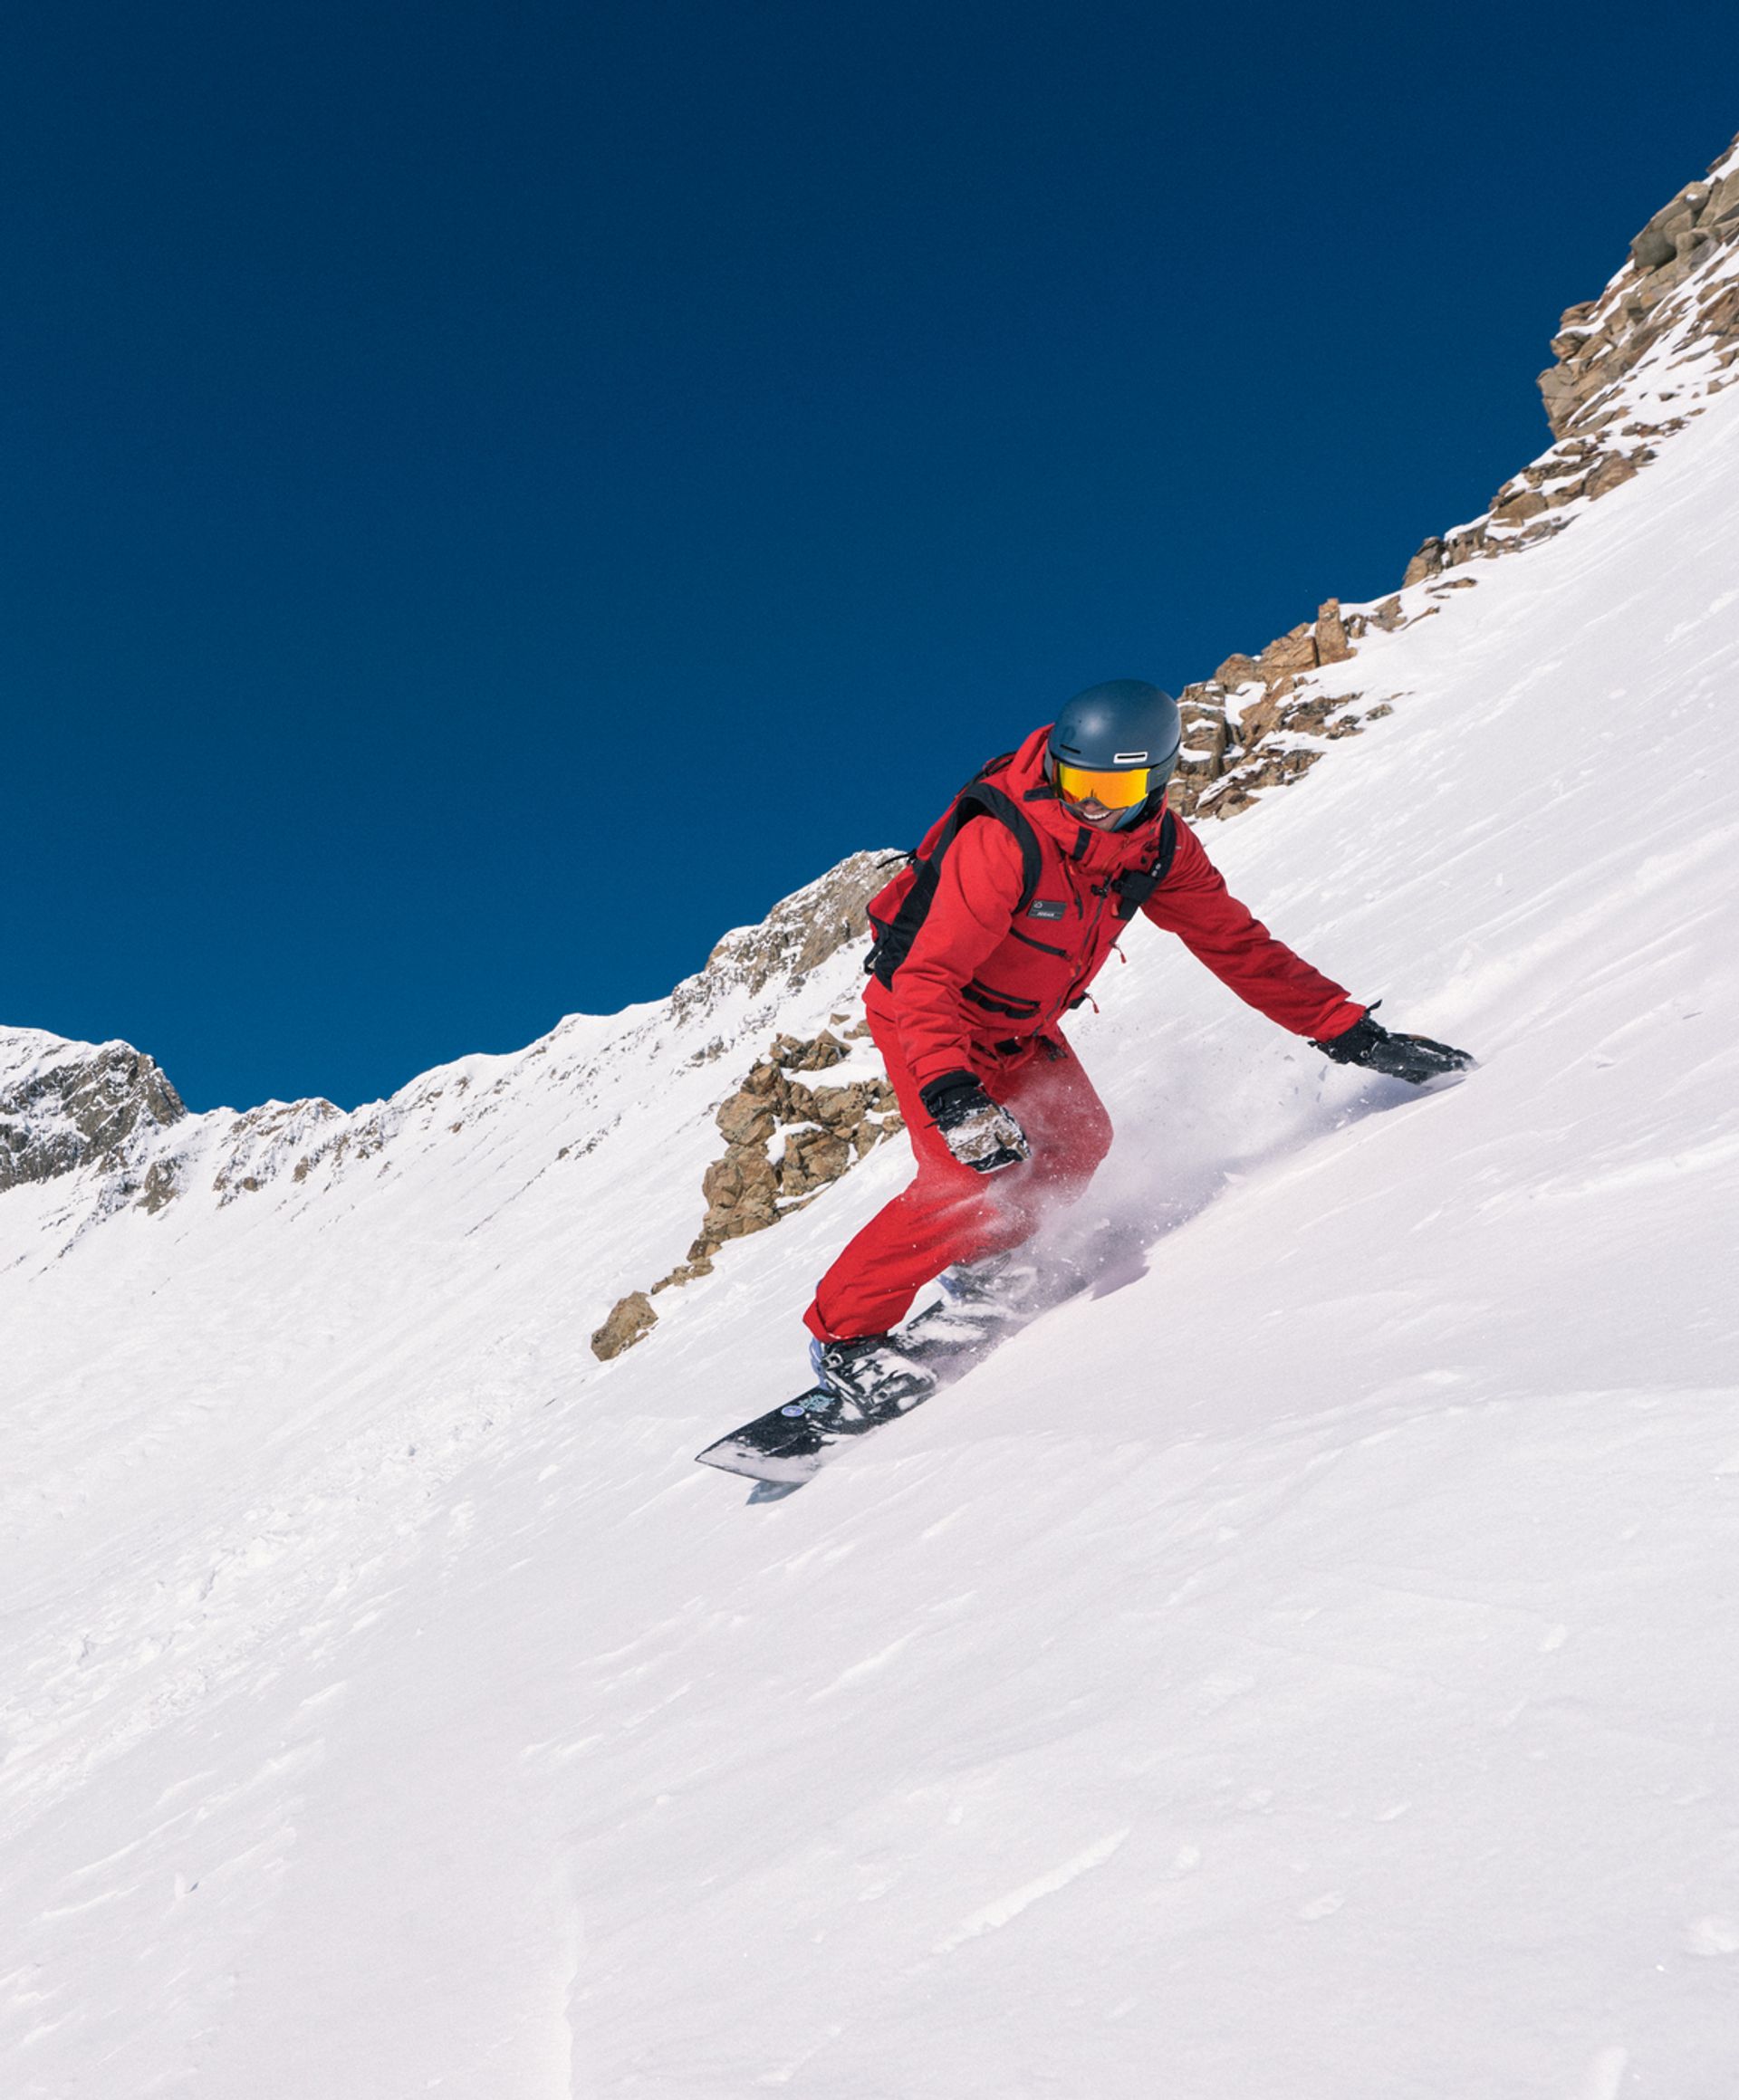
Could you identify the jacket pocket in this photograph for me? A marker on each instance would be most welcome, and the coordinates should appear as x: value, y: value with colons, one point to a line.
x: 1002, y: 1002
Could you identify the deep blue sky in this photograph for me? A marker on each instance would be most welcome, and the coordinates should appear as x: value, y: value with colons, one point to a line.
x: 493, y: 493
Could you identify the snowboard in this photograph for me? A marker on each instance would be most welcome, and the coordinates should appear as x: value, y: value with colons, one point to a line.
x: 791, y: 1443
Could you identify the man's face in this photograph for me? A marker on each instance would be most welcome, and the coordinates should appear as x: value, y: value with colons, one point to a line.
x: 1094, y: 812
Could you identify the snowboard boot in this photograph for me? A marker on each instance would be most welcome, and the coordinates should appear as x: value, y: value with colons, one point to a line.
x: 981, y: 1302
x: 873, y: 1374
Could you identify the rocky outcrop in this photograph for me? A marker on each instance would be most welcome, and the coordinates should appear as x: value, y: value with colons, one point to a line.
x: 1671, y: 283
x: 785, y: 1140
x: 73, y: 1107
x: 823, y: 1131
x: 1256, y: 724
x: 800, y: 932
x: 1632, y: 366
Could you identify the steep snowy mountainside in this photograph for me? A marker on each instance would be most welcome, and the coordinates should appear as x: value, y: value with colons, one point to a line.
x: 1297, y: 1669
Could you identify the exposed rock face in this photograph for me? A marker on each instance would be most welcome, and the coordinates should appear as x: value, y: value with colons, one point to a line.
x: 1667, y: 284
x: 89, y: 1108
x: 801, y: 931
x: 1246, y: 729
x: 1632, y: 365
x: 826, y: 1131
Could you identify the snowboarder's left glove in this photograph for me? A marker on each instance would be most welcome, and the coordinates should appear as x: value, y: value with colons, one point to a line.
x: 1413, y: 1058
x: 978, y: 1133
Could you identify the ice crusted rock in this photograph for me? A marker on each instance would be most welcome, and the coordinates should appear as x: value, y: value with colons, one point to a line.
x: 66, y: 1105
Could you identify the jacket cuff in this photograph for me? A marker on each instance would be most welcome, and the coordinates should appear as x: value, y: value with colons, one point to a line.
x: 1348, y: 1014
x: 936, y: 1093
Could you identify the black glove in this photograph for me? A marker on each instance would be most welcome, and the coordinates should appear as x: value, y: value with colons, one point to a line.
x: 1413, y: 1058
x: 978, y: 1133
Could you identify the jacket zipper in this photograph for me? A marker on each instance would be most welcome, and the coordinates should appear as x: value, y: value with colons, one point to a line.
x: 1084, y: 974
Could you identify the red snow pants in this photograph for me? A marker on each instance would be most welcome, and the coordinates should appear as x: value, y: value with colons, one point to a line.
x: 951, y: 1213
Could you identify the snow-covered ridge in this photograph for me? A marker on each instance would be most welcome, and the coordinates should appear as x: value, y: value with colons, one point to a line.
x: 99, y: 1128
x: 65, y: 1106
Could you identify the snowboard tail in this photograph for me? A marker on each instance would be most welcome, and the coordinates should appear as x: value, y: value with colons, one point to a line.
x: 791, y: 1443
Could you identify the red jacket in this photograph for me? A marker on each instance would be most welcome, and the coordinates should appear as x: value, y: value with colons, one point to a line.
x: 974, y: 977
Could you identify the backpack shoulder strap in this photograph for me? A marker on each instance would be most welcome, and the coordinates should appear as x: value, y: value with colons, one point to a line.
x: 979, y: 797
x: 1008, y: 812
x: 1134, y: 888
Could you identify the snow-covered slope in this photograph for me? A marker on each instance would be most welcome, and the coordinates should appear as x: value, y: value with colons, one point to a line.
x: 1305, y: 1669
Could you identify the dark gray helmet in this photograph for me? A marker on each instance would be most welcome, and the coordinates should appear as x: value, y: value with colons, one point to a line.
x: 1125, y: 726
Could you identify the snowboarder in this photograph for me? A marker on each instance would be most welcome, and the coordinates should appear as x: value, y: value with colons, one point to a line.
x: 1012, y: 904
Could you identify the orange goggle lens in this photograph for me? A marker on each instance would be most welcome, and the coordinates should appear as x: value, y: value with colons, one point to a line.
x: 1116, y: 790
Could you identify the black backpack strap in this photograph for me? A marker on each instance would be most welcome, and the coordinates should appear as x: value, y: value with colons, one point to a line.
x: 978, y: 798
x: 1008, y: 812
x: 1133, y: 890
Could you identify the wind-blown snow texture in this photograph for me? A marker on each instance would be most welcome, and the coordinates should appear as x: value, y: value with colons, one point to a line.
x: 1305, y: 1670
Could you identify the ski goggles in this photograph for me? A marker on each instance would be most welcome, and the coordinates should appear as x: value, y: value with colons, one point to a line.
x: 1121, y: 790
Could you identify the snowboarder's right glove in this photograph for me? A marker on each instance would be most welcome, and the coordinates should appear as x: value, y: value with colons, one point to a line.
x: 1413, y: 1058
x: 977, y: 1132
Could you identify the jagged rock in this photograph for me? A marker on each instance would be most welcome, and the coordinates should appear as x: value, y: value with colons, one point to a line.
x: 1332, y: 644
x: 1237, y: 671
x: 1255, y: 721
x: 630, y: 1319
x: 746, y: 1119
x: 742, y: 1191
x: 1207, y: 739
x: 88, y: 1108
x: 841, y: 1107
x: 764, y: 1077
x: 1517, y: 507
x: 1242, y: 787
x: 1613, y: 471
x: 1600, y: 341
x: 161, y: 1187
x: 1290, y: 654
x: 813, y: 1158
x: 683, y: 1272
x: 1427, y: 563
x: 796, y: 1055
x: 828, y: 1129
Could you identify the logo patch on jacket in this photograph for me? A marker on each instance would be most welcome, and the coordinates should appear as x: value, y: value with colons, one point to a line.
x: 1043, y: 908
